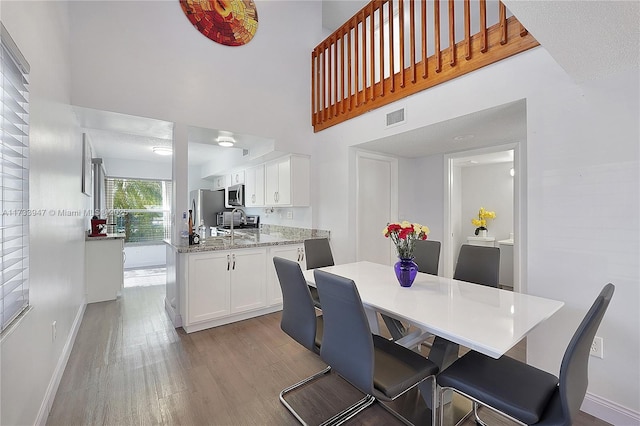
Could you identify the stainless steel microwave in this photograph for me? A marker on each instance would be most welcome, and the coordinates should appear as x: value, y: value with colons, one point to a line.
x: 234, y: 196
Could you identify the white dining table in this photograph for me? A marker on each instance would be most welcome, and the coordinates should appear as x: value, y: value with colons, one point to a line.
x: 485, y: 319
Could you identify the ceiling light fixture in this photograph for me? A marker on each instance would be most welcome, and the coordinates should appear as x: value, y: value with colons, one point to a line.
x: 226, y: 141
x: 162, y: 150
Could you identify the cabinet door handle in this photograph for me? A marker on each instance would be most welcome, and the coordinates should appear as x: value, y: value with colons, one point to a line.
x: 228, y: 262
x: 234, y: 262
x: 298, y: 254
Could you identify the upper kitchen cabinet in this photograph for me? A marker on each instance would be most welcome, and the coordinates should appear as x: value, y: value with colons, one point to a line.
x: 221, y: 182
x: 287, y: 182
x: 254, y: 186
x: 238, y: 177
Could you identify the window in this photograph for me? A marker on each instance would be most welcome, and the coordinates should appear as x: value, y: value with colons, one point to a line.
x: 14, y: 181
x: 140, y: 208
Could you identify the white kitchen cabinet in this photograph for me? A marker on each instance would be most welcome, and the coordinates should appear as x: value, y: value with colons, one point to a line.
x: 254, y: 186
x: 237, y: 177
x: 208, y: 286
x: 294, y: 252
x: 287, y: 181
x: 248, y: 280
x: 104, y: 268
x: 221, y: 182
x: 221, y: 287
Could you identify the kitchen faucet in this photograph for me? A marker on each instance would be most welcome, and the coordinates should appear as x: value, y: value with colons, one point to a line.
x: 243, y: 219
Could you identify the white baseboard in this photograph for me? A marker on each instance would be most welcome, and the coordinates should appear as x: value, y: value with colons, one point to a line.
x: 50, y: 394
x: 609, y: 411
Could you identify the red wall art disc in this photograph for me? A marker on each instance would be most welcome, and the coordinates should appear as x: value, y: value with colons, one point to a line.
x: 228, y: 22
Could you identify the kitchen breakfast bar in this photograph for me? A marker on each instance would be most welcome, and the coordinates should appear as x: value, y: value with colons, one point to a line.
x: 219, y: 281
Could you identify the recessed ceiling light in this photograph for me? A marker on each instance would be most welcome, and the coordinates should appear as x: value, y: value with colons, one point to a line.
x: 162, y: 150
x: 226, y: 141
x: 463, y: 137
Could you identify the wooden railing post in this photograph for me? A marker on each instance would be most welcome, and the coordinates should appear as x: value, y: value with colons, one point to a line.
x: 344, y: 65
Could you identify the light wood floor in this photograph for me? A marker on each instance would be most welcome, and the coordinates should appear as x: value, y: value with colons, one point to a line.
x: 129, y: 366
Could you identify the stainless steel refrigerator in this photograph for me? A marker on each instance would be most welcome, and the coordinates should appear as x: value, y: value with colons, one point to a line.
x: 205, y: 203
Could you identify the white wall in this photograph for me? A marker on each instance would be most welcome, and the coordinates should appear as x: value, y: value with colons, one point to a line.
x: 489, y: 186
x: 135, y: 169
x: 582, y: 203
x: 160, y: 66
x: 419, y: 199
x: 31, y: 360
x: 144, y: 256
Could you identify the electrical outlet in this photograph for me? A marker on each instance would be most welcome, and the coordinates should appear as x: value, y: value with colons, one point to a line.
x: 53, y: 331
x: 597, y: 348
x: 289, y: 214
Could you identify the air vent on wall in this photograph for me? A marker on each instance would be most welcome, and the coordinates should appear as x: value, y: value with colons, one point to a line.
x: 395, y: 117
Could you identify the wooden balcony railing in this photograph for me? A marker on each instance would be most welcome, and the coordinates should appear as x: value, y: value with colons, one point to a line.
x: 392, y: 49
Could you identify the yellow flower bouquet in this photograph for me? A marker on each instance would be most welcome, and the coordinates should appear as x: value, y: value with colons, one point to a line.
x: 481, y: 222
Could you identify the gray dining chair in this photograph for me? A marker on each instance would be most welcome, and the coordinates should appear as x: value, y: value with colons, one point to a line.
x: 478, y: 265
x: 379, y: 368
x: 318, y: 255
x: 522, y: 392
x: 299, y: 319
x: 427, y: 257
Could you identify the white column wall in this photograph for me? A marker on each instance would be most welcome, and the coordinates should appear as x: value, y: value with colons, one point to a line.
x: 32, y: 361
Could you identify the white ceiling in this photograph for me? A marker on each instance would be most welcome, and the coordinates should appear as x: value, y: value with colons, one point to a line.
x: 589, y: 39
x: 123, y: 136
x: 501, y: 125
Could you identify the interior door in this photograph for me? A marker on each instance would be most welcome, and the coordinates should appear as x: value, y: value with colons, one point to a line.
x: 377, y: 205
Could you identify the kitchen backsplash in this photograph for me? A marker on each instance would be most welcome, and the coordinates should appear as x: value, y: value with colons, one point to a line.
x: 293, y: 232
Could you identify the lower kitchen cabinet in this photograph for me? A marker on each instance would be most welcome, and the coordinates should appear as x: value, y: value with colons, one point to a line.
x: 208, y: 291
x: 248, y: 281
x: 104, y: 268
x: 294, y: 252
x: 220, y: 287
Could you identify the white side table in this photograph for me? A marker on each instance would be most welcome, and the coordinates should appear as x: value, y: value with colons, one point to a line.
x: 482, y: 241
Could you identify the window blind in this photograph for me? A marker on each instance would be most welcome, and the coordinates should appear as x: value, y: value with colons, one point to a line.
x: 139, y: 208
x: 14, y: 181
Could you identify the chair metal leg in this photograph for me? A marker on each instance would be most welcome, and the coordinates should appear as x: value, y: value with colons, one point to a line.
x: 350, y: 412
x: 475, y: 414
x: 297, y: 385
x: 476, y: 404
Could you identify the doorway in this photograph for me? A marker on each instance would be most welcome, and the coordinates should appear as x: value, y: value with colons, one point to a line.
x: 494, y: 180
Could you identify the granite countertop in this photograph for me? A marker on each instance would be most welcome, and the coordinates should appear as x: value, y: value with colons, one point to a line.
x: 107, y: 237
x: 269, y: 235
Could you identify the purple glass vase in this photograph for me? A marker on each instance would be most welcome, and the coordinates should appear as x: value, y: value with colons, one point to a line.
x: 406, y: 270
